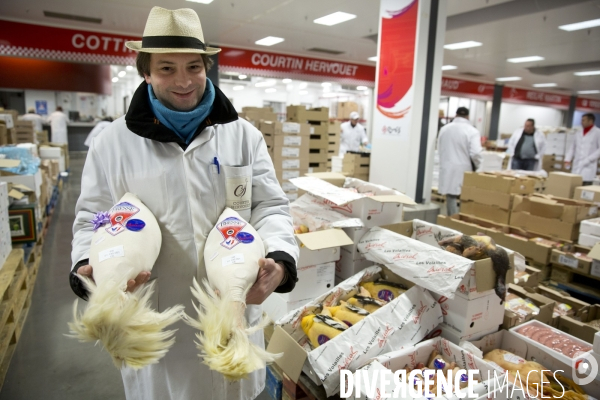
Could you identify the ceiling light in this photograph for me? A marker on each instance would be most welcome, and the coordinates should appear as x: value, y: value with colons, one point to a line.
x: 201, y: 1
x: 129, y: 68
x: 286, y: 80
x: 374, y: 58
x: 265, y: 83
x: 239, y: 87
x: 303, y: 92
x: 335, y: 18
x: 448, y: 67
x: 462, y: 45
x: 270, y: 90
x: 509, y: 78
x: 588, y: 91
x: 326, y: 84
x: 525, y: 59
x: 115, y: 79
x: 269, y: 41
x: 302, y: 85
x: 587, y: 73
x: 580, y: 25
x: 242, y: 76
x: 545, y: 85
x: 361, y: 88
x: 122, y: 74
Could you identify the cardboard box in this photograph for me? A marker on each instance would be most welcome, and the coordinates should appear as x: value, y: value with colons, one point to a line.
x: 282, y: 142
x: 587, y: 240
x: 276, y: 306
x: 301, y: 114
x: 487, y: 197
x: 333, y: 178
x: 335, y: 128
x: 357, y: 159
x: 317, y: 167
x: 313, y: 281
x: 581, y: 329
x: 317, y: 155
x: 31, y: 181
x: 355, y: 234
x: 286, y: 163
x: 492, y: 213
x: 344, y: 109
x: 578, y: 261
x: 321, y: 247
x: 258, y: 114
x: 449, y: 333
x: 562, y: 184
x: 587, y: 193
x: 499, y: 183
x: 11, y: 136
x: 7, y: 119
x: 319, y: 141
x: 545, y: 305
x: 287, y: 174
x: 349, y: 265
x: 580, y: 308
x: 284, y: 128
x: 467, y: 317
x: 533, y: 278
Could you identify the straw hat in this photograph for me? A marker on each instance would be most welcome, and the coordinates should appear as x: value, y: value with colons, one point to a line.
x: 172, y: 31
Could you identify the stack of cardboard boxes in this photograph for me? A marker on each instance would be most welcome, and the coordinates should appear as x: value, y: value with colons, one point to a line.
x: 335, y: 132
x: 345, y: 108
x: 8, y: 133
x: 25, y: 132
x: 562, y: 184
x: 257, y: 114
x: 318, y: 119
x: 357, y: 165
x: 557, y: 144
x: 490, y: 196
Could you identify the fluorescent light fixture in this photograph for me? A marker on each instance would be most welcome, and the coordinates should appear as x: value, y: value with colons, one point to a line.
x: 448, y: 67
x: 525, y: 59
x: 587, y: 73
x: 303, y: 92
x: 374, y: 58
x: 201, y: 1
x: 361, y: 88
x: 335, y: 18
x: 265, y: 83
x: 269, y: 41
x: 129, y: 68
x: 580, y: 25
x: 588, y: 91
x: 270, y: 90
x: 545, y: 85
x: 462, y: 45
x: 115, y: 79
x: 509, y: 78
x: 302, y: 85
x: 286, y: 80
x: 326, y: 84
x: 122, y: 74
x: 238, y: 87
x: 242, y: 76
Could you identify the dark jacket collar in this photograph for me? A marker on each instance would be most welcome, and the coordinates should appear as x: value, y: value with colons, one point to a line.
x: 141, y: 120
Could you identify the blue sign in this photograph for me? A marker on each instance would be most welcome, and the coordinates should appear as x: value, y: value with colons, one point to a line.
x: 41, y: 107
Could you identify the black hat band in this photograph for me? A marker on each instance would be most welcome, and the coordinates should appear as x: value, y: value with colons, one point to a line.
x: 172, y: 42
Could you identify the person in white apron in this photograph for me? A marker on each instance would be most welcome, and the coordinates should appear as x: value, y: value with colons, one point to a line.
x: 58, y: 121
x: 182, y: 149
x: 584, y: 152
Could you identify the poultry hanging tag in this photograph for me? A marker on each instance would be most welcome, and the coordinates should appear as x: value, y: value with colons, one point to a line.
x: 119, y: 215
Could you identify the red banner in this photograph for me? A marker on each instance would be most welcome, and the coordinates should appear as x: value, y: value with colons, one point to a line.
x: 514, y: 95
x: 257, y: 62
x: 477, y: 90
x: 592, y: 105
x: 39, y: 41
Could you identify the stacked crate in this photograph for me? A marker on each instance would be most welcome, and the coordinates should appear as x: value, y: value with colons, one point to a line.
x: 357, y: 165
x: 25, y: 132
x: 256, y: 114
x: 318, y: 119
x: 335, y: 137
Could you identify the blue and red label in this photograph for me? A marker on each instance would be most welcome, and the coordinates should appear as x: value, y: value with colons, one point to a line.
x: 230, y: 228
x: 386, y: 295
x: 119, y: 215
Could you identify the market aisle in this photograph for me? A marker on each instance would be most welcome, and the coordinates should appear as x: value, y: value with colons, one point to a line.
x: 46, y: 364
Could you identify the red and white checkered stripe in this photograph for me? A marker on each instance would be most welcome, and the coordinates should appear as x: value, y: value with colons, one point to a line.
x: 28, y: 52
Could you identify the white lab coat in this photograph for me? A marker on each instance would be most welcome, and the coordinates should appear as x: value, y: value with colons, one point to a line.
x: 58, y: 123
x: 187, y: 194
x: 584, y: 154
x: 95, y: 132
x: 352, y: 137
x: 38, y: 120
x: 540, y: 145
x: 459, y: 144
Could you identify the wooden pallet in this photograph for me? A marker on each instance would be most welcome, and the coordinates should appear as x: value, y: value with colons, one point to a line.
x: 582, y: 286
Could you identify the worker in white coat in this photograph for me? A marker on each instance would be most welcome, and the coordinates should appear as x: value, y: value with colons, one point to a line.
x: 58, y: 124
x: 459, y: 149
x: 182, y: 149
x: 37, y: 119
x: 353, y: 135
x: 527, y: 147
x: 96, y: 130
x: 583, y: 154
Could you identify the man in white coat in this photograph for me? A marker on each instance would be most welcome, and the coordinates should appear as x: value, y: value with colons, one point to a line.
x: 526, y: 147
x: 183, y: 151
x: 353, y: 135
x: 584, y: 152
x: 459, y: 148
x: 58, y: 124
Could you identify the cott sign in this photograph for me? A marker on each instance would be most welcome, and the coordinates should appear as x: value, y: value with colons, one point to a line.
x: 38, y: 41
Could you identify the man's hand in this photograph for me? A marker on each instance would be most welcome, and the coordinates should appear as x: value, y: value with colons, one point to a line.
x: 269, y: 278
x: 132, y: 284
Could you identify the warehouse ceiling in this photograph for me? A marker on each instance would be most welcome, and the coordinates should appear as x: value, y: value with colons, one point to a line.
x: 506, y: 28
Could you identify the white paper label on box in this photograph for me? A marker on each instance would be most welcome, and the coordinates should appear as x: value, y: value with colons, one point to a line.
x: 511, y: 358
x: 310, y: 170
x: 291, y: 164
x: 312, y: 130
x: 292, y: 140
x: 290, y: 175
x: 237, y: 258
x: 288, y: 187
x: 113, y: 252
x: 593, y: 210
x: 587, y: 195
x: 595, y: 271
x: 290, y: 152
x: 290, y: 127
x: 568, y: 261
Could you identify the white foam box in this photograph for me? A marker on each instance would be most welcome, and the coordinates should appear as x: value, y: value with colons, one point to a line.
x: 313, y: 281
x: 53, y: 153
x: 355, y: 234
x: 33, y: 181
x: 321, y: 247
x: 590, y: 226
x: 276, y: 306
x: 588, y: 240
x: 466, y: 317
x: 347, y: 265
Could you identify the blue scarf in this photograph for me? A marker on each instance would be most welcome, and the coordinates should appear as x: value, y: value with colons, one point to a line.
x: 184, y: 123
